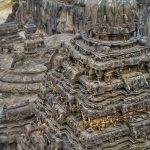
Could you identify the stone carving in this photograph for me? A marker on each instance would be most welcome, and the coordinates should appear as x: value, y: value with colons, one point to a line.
x: 94, y: 91
x: 6, y: 46
x: 30, y: 45
x: 17, y: 58
x: 21, y: 75
x: 60, y: 49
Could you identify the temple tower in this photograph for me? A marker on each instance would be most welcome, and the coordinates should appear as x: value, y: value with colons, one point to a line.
x: 95, y: 95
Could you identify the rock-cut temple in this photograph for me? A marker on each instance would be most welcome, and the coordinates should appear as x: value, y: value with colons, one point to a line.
x: 95, y: 94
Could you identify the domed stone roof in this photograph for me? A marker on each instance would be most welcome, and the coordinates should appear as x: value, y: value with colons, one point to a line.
x: 111, y: 12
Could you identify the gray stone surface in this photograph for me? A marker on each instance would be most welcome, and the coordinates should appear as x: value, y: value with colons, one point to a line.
x: 88, y: 91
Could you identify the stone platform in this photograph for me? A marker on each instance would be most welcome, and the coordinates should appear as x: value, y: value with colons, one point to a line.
x: 22, y: 79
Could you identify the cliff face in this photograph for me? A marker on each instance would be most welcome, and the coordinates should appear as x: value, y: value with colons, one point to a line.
x: 58, y: 16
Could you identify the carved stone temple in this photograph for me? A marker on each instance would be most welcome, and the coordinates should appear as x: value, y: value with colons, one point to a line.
x: 87, y: 87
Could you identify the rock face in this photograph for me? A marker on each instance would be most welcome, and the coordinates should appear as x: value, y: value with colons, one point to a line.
x: 59, y: 16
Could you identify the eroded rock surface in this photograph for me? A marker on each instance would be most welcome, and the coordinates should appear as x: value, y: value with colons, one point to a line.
x: 56, y: 16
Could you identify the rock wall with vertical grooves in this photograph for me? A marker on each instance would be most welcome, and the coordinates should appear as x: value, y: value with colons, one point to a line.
x: 57, y: 16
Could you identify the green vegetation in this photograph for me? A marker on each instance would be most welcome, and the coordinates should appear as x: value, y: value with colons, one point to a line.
x: 13, y: 1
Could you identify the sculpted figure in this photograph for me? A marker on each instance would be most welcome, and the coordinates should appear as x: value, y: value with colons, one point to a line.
x: 2, y: 43
x: 39, y: 42
x: 27, y: 36
x: 48, y: 51
x: 5, y: 46
x: 60, y: 49
x: 105, y: 49
x: 77, y: 36
x: 30, y: 45
x: 108, y: 76
x: 95, y: 89
x: 126, y: 34
x: 17, y: 58
x: 9, y: 48
x: 91, y: 74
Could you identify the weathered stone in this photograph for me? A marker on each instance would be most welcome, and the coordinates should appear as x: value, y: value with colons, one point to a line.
x: 96, y: 90
x: 83, y: 91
